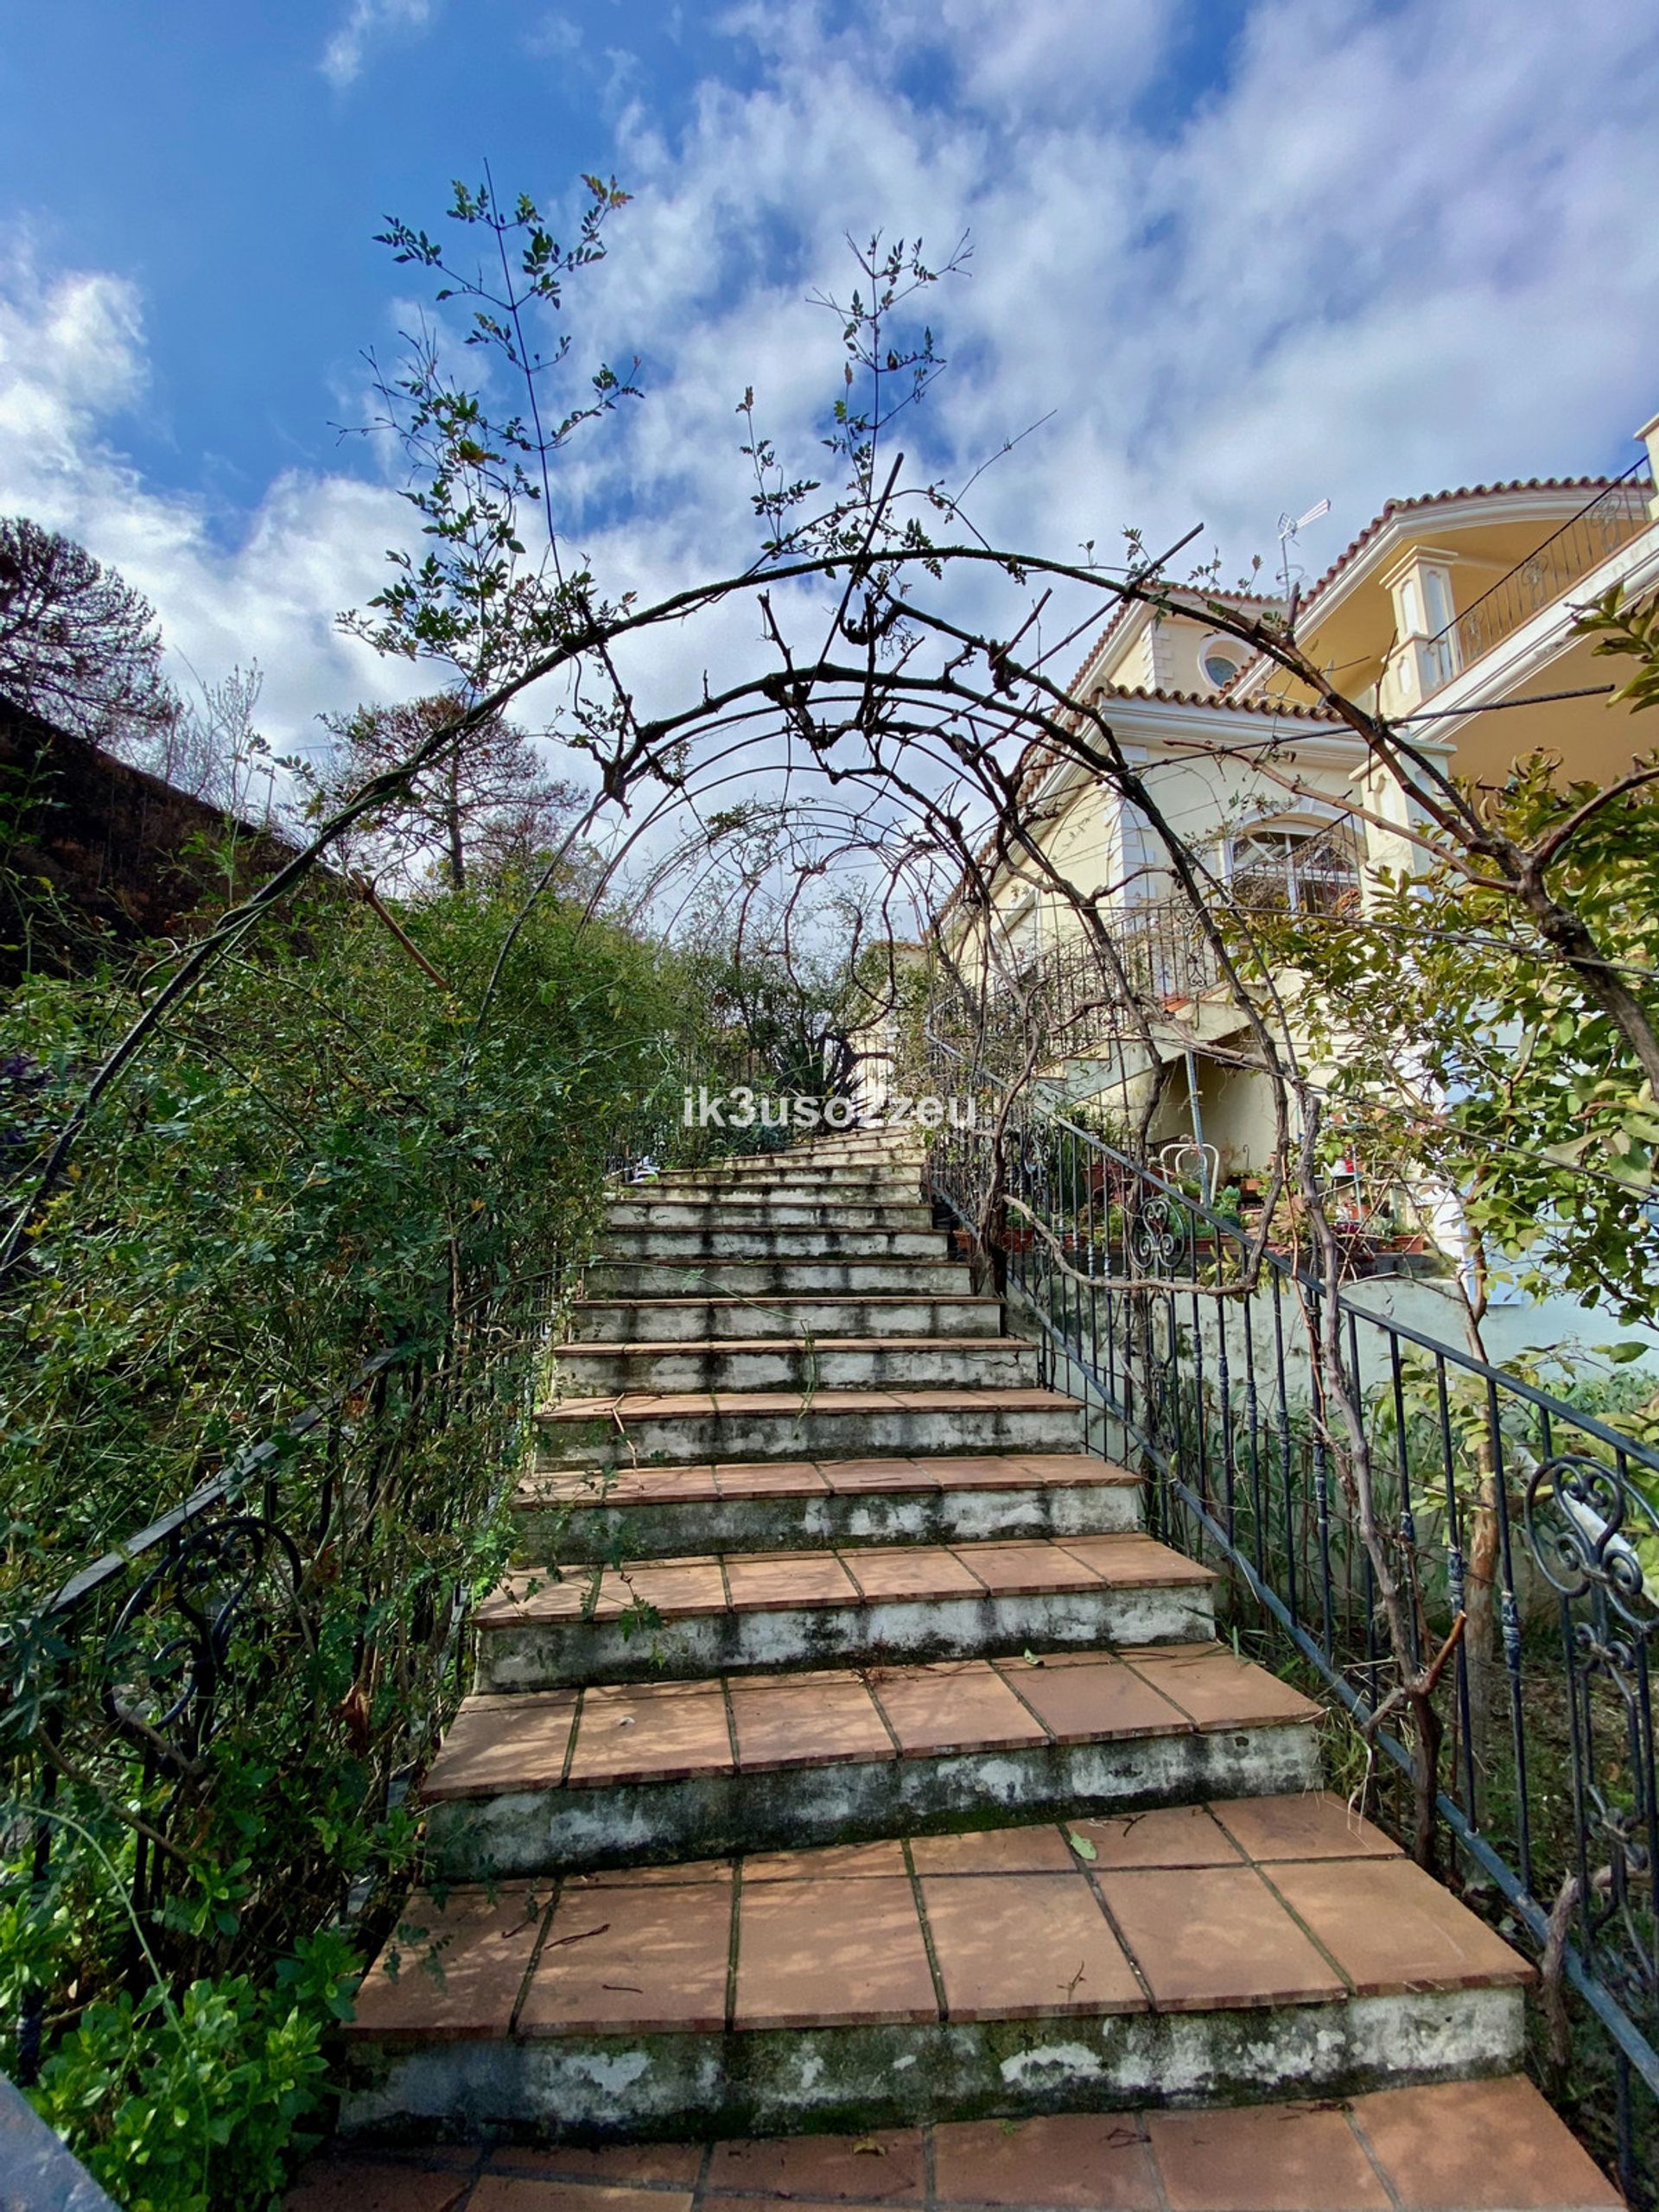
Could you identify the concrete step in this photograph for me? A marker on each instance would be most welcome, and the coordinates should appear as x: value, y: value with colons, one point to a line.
x: 798, y: 1160
x: 767, y: 1209
x: 633, y: 1774
x: 687, y: 1247
x: 1234, y: 1953
x: 1458, y: 2145
x: 769, y: 1362
x: 694, y: 1320
x: 587, y: 1516
x: 856, y: 1143
x: 865, y: 1606
x: 855, y: 1179
x: 842, y: 1278
x: 675, y: 1428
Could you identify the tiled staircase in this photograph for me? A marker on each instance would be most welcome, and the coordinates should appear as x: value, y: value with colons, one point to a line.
x: 843, y: 1756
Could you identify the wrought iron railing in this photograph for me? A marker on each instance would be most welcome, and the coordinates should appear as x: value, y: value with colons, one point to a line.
x: 1080, y: 1001
x: 1522, y: 1531
x: 1616, y: 514
x: 1165, y: 957
x: 1279, y: 871
x: 229, y: 1626
x: 184, y: 1636
x: 1076, y: 1000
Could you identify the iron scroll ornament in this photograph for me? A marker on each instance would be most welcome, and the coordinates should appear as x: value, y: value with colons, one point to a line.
x: 1157, y: 1232
x: 1593, y: 1533
x: 167, y: 1694
x: 1595, y: 1536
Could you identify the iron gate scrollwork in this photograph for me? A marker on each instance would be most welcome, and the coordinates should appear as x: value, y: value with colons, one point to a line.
x: 170, y: 1654
x: 1594, y: 1535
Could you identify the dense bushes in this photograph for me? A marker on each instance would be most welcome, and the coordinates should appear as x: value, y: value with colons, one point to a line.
x: 336, y: 1156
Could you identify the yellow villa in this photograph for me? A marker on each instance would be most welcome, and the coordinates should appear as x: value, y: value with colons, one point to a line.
x: 1443, y: 610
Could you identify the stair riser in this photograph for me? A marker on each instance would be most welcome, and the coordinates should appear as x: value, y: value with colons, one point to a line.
x: 963, y: 1365
x: 804, y: 1190
x: 679, y: 1439
x: 586, y: 1535
x: 859, y: 1144
x: 777, y: 1210
x: 688, y: 1246
x: 548, y: 1832
x: 781, y: 2081
x: 777, y: 1277
x: 695, y: 1321
x: 545, y: 1656
x: 902, y: 1176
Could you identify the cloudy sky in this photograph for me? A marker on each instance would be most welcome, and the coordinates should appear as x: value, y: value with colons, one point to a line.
x: 1232, y: 258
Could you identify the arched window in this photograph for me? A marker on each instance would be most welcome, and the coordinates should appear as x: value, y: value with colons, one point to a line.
x: 1295, y: 868
x: 1221, y: 660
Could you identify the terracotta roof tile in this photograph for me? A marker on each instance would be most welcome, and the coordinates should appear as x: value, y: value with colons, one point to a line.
x: 1041, y: 753
x: 1226, y: 703
x: 1122, y: 615
x: 1394, y: 507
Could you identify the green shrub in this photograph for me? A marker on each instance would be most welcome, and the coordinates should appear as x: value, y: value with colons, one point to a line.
x: 325, y: 1159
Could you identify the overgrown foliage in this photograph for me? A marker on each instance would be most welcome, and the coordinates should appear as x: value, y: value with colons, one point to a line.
x: 330, y: 1161
x: 1455, y: 1047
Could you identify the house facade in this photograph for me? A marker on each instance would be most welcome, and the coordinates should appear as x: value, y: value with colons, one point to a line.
x: 1443, y: 611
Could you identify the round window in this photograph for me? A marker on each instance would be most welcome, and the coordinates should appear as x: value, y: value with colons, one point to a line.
x: 1220, y: 668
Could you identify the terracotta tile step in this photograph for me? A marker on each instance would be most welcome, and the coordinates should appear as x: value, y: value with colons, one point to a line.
x: 693, y: 1243
x: 794, y: 1365
x: 694, y: 1217
x: 858, y: 1604
x: 643, y: 1405
x: 587, y: 1515
x: 591, y: 1488
x: 855, y: 1176
x: 905, y: 1347
x: 598, y: 1321
x: 624, y: 1773
x: 675, y: 1427
x: 944, y: 1298
x: 801, y: 1344
x: 1153, y: 1937
x: 782, y: 1581
x: 1448, y: 2145
x: 844, y: 1275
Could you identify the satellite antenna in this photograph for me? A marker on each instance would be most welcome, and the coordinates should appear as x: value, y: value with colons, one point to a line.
x: 1287, y: 530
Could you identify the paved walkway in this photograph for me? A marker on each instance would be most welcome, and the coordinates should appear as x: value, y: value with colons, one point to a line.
x: 1490, y: 2144
x: 842, y: 1753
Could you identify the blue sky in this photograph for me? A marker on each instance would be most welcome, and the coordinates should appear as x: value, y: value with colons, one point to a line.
x: 1240, y: 256
x: 234, y: 163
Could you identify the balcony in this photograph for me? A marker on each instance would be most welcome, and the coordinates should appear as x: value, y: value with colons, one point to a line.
x: 1617, y: 513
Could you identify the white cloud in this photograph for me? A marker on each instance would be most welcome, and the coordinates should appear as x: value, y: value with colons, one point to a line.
x: 367, y: 22
x: 264, y: 587
x: 1385, y: 252
x: 555, y: 38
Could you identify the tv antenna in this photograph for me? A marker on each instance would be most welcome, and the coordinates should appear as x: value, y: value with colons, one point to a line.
x: 1287, y: 530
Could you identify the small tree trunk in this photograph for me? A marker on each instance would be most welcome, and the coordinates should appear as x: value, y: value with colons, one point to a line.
x: 1481, y: 1608
x: 457, y: 849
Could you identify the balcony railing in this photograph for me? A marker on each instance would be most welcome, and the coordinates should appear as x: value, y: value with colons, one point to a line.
x: 1616, y: 515
x: 1073, y: 995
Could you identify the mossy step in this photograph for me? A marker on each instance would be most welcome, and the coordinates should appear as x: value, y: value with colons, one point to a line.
x: 862, y: 1606
x: 625, y: 1774
x: 1233, y: 1952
